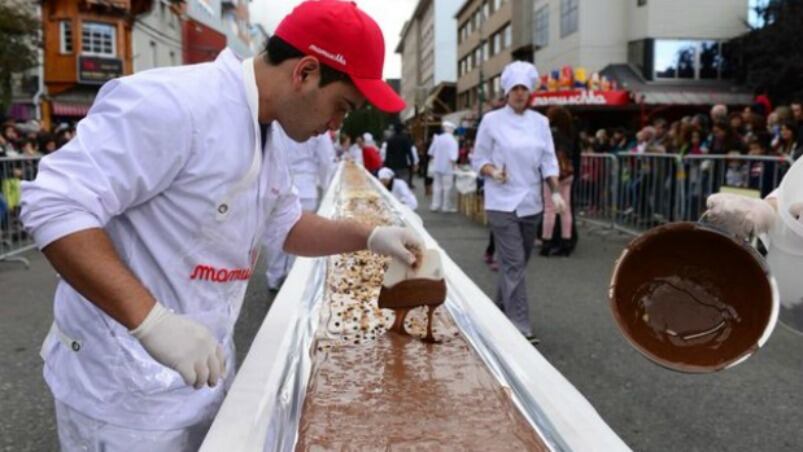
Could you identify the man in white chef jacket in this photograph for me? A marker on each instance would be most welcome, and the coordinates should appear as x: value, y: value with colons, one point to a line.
x: 154, y: 213
x: 444, y: 152
x: 312, y: 165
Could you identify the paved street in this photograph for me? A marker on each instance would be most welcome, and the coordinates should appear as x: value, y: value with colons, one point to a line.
x: 755, y: 406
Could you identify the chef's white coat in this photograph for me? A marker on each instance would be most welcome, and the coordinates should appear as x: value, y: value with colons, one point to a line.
x: 168, y: 163
x: 444, y: 151
x: 522, y: 144
x: 402, y: 192
x: 312, y: 163
x: 354, y: 153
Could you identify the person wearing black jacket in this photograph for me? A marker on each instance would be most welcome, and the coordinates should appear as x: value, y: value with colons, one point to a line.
x: 399, y: 154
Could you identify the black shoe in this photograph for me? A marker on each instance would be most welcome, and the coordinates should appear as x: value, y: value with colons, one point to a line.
x: 547, y: 247
x: 533, y: 339
x: 274, y: 288
x: 564, y: 248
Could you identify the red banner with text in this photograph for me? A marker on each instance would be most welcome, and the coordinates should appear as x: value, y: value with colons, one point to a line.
x: 580, y: 97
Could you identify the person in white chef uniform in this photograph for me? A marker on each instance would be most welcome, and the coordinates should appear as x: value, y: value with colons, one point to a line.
x: 515, y: 153
x: 154, y: 213
x: 312, y: 165
x: 398, y: 187
x: 443, y: 152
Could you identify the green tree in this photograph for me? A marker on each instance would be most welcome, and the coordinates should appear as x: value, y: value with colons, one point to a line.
x: 367, y: 119
x: 19, y: 42
x: 770, y: 56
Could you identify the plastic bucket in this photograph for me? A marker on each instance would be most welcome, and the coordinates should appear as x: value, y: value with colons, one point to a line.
x: 692, y: 298
x: 784, y: 245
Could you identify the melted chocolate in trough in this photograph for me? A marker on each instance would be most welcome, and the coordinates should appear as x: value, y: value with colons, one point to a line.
x: 409, y: 294
x: 399, y: 393
x: 690, y: 298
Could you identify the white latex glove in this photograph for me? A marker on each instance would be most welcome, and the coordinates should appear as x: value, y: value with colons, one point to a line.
x: 182, y: 345
x: 401, y: 243
x: 740, y: 215
x: 429, y: 267
x: 558, y: 202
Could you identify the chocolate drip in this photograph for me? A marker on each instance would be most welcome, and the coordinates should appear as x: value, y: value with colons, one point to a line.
x: 410, y: 294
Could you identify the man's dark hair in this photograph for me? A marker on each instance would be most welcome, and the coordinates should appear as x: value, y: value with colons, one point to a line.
x: 277, y: 51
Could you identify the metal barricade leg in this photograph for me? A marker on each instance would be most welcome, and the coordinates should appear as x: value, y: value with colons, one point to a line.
x: 14, y: 240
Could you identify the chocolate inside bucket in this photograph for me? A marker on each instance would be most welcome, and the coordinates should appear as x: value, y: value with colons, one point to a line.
x: 690, y: 298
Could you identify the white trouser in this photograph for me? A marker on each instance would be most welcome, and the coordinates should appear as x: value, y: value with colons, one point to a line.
x: 278, y: 261
x: 442, y: 192
x: 78, y: 432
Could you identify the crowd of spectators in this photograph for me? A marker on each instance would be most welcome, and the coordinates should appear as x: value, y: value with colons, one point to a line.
x: 32, y: 139
x: 746, y: 132
x: 754, y: 151
x: 21, y: 143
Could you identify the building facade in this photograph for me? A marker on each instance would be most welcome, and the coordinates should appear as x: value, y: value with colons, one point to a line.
x: 236, y: 25
x: 428, y: 47
x: 86, y: 43
x: 259, y: 38
x: 490, y: 34
x: 156, y: 37
x: 202, y: 32
x: 663, y: 39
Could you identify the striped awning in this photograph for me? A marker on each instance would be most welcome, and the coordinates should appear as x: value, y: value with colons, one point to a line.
x: 121, y: 4
x: 70, y: 109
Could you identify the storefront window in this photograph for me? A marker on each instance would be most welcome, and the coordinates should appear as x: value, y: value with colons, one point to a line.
x: 541, y: 27
x: 753, y: 8
x: 675, y: 59
x: 65, y: 30
x: 98, y: 39
x: 725, y: 68
x: 568, y: 17
x: 507, y: 36
x: 710, y: 60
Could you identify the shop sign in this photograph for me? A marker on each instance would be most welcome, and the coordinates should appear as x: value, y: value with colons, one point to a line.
x: 580, y: 97
x: 98, y: 70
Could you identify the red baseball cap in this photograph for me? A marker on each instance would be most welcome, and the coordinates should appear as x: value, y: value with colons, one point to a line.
x: 344, y: 38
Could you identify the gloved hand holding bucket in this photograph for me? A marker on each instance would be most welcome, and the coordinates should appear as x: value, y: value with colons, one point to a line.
x: 696, y: 297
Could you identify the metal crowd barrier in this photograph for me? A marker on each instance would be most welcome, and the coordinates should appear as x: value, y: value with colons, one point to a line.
x: 649, y: 190
x: 749, y: 175
x: 595, y: 189
x: 634, y: 192
x: 13, y: 238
